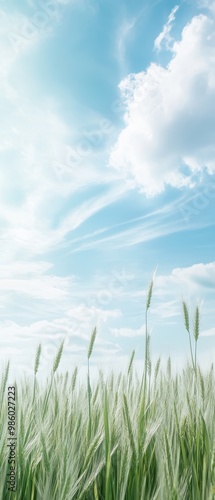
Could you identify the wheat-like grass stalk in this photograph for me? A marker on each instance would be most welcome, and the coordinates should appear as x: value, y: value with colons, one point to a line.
x: 89, y: 354
x: 147, y: 364
x: 187, y: 326
x: 36, y: 367
x: 58, y: 357
x: 116, y: 460
x: 54, y: 369
x: 164, y: 449
x: 149, y: 295
x: 5, y: 379
x: 37, y: 359
x: 130, y: 366
x: 186, y: 316
x: 91, y: 344
x: 196, y: 324
x: 74, y: 378
x: 196, y: 333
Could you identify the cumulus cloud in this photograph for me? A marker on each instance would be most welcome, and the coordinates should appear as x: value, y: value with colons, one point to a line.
x: 168, y: 136
x: 164, y: 38
x: 76, y: 323
x: 194, y: 284
x: 198, y: 276
x: 87, y: 317
x: 207, y: 4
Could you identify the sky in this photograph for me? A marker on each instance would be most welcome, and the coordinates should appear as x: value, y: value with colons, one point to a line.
x: 107, y: 178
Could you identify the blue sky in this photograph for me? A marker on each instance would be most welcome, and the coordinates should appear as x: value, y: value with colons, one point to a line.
x: 107, y: 173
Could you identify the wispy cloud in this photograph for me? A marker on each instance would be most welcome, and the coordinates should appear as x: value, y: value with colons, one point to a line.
x: 166, y: 309
x: 90, y: 208
x: 35, y: 149
x: 124, y: 31
x: 208, y: 333
x: 128, y: 332
x: 207, y: 4
x: 153, y: 225
x: 44, y: 288
x: 29, y: 278
x: 164, y: 38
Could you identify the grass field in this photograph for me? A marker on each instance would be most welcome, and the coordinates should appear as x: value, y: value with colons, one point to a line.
x: 122, y: 437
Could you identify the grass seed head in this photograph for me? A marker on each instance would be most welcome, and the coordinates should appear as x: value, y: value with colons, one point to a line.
x: 58, y: 357
x: 74, y: 378
x: 37, y: 359
x: 186, y: 316
x: 92, y: 340
x: 149, y: 295
x: 196, y: 324
x: 131, y: 361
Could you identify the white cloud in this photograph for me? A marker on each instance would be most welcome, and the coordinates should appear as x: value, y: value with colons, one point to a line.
x: 208, y: 333
x: 164, y: 37
x: 166, y: 310
x: 168, y: 219
x: 77, y: 322
x: 196, y: 277
x: 33, y: 138
x: 207, y: 4
x: 170, y: 121
x: 31, y: 279
x: 107, y: 351
x: 43, y: 288
x: 123, y: 33
x: 38, y: 152
x: 54, y: 330
x: 18, y: 34
x: 23, y: 268
x: 92, y: 316
x: 128, y: 332
x: 89, y: 208
x: 74, y: 328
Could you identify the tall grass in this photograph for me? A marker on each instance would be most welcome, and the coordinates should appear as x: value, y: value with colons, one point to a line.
x: 122, y: 437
